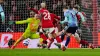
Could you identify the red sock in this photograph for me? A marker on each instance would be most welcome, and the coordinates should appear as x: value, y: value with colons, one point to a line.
x: 44, y: 42
x: 51, y: 39
x: 43, y: 36
x: 83, y: 42
x: 58, y: 39
x: 49, y: 43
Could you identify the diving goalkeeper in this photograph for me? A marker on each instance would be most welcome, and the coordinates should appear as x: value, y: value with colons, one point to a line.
x: 33, y: 23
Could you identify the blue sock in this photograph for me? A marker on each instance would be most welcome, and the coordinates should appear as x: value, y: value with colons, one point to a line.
x: 67, y: 41
x: 62, y: 36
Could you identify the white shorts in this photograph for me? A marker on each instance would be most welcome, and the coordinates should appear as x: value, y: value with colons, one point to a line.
x: 56, y: 29
x: 49, y: 30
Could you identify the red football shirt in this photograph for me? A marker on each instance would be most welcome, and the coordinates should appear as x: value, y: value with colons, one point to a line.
x: 46, y: 18
x: 53, y: 18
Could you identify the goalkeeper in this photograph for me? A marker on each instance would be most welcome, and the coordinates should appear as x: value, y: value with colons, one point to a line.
x: 33, y: 23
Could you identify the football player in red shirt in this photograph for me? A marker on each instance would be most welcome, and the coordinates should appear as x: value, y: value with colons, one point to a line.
x: 55, y: 20
x: 46, y: 24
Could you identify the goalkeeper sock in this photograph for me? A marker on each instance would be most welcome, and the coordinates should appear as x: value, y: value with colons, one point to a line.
x: 67, y: 41
x: 40, y: 40
x: 19, y: 40
x: 13, y: 46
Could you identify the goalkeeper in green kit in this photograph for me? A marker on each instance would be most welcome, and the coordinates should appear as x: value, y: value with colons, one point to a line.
x: 33, y: 23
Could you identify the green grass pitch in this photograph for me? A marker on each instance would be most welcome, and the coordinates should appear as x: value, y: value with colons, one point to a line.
x: 52, y: 52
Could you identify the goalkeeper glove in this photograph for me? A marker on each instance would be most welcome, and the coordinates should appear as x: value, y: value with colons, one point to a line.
x: 61, y: 22
x: 11, y: 22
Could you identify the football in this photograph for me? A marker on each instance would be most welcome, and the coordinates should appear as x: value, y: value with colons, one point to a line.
x: 26, y: 42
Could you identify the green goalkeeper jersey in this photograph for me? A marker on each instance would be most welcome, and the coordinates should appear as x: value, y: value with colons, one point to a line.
x: 33, y: 24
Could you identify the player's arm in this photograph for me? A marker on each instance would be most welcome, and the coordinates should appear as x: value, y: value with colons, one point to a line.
x: 82, y: 17
x: 57, y: 18
x: 83, y: 21
x: 35, y: 10
x: 37, y: 16
x: 64, y: 21
x: 38, y: 20
x: 18, y: 22
x: 22, y: 22
x: 66, y: 18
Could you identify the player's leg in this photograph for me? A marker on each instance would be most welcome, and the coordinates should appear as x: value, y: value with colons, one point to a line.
x: 34, y: 36
x: 42, y: 35
x: 43, y: 32
x: 19, y: 40
x: 41, y: 40
x: 68, y: 39
x: 58, y: 39
x: 42, y: 43
x: 83, y: 42
x: 62, y: 34
x: 50, y: 37
x: 77, y: 37
x: 50, y: 40
x: 24, y: 36
x: 70, y: 31
x: 63, y: 45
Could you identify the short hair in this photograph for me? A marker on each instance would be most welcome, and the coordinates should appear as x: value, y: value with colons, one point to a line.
x: 65, y: 7
x: 33, y: 12
x: 43, y: 5
x: 70, y: 7
x: 77, y: 7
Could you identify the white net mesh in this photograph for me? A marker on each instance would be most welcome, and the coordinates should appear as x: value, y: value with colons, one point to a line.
x: 90, y: 7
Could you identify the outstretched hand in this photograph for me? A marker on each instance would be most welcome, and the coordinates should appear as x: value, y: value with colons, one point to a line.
x: 11, y: 22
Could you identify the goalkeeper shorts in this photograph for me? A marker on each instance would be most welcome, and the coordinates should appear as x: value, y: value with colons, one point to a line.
x: 31, y: 35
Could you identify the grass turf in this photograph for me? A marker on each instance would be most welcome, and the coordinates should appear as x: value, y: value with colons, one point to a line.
x: 52, y: 52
